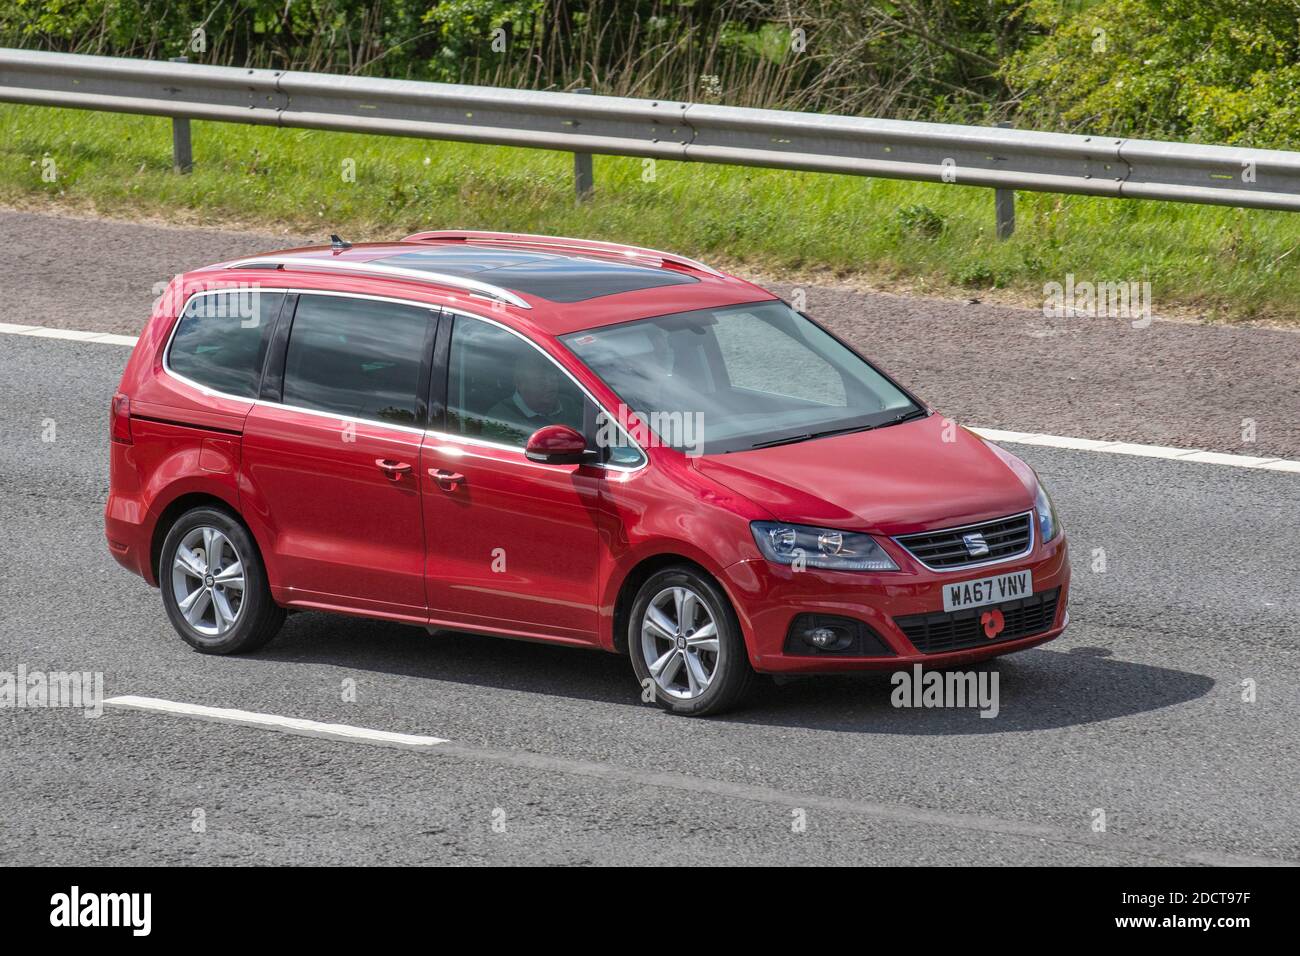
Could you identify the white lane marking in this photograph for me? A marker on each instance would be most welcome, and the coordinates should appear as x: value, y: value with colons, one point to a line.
x: 1141, y: 451
x: 288, y: 725
x: 613, y: 773
x: 992, y: 434
x: 70, y: 335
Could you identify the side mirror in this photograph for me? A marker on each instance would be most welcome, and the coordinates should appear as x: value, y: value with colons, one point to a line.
x: 556, y: 445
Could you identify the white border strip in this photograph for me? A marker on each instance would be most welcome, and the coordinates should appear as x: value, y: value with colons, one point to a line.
x: 1142, y: 451
x: 71, y: 335
x: 992, y: 434
x: 287, y: 725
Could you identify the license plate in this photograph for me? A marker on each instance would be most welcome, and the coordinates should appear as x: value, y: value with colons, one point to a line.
x: 992, y: 590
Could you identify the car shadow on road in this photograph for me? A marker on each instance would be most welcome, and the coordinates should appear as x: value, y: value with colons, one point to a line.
x: 1038, y: 689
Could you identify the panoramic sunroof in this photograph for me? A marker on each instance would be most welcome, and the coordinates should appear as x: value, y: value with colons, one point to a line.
x: 548, y: 276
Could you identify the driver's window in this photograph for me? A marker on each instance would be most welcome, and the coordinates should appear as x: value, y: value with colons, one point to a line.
x: 502, y: 389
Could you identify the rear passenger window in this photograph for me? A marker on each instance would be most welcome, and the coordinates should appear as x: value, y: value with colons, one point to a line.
x: 221, y: 340
x: 357, y: 357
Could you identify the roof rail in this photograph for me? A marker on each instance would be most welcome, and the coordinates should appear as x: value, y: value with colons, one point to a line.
x: 561, y: 242
x: 372, y: 268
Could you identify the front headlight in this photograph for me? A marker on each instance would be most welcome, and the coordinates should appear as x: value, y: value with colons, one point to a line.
x: 1048, y: 526
x: 820, y: 547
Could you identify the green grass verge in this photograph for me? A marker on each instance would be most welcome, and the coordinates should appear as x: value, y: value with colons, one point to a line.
x: 1223, y: 264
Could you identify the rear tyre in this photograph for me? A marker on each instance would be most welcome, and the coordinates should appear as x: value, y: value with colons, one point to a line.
x: 214, y: 585
x: 686, y: 645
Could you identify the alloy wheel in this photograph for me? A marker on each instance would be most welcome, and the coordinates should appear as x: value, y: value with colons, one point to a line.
x: 208, y: 581
x: 679, y: 642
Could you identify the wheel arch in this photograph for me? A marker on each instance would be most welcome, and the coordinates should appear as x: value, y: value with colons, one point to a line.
x: 177, y: 507
x: 641, y: 572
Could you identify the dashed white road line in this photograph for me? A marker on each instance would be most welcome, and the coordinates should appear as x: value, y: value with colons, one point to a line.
x: 70, y: 335
x: 1141, y: 451
x: 927, y: 819
x: 992, y: 434
x: 287, y: 725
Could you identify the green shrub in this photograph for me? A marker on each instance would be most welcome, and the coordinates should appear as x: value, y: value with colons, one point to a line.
x: 1213, y: 71
x: 921, y: 221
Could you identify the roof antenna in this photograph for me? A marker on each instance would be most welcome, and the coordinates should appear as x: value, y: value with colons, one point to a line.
x: 338, y: 245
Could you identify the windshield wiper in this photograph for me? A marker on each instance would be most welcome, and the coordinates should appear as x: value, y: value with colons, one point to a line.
x: 903, y: 417
x: 791, y: 439
x: 806, y: 436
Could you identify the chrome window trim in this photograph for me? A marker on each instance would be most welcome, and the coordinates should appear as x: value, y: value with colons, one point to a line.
x: 407, y: 429
x: 373, y: 267
x: 1033, y: 537
x: 167, y: 348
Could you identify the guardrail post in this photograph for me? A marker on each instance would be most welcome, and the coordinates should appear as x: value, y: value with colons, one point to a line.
x: 584, y: 180
x: 182, y: 157
x: 1004, y: 205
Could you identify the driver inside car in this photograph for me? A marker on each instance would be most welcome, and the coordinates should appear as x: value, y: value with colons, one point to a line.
x: 540, y: 398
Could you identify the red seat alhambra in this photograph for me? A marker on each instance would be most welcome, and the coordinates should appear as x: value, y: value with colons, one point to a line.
x: 569, y: 441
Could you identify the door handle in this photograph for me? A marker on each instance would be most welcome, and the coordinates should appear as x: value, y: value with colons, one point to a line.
x: 447, y: 480
x: 393, y: 469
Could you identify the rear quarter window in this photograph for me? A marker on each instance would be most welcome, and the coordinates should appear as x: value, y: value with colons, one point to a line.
x: 221, y: 340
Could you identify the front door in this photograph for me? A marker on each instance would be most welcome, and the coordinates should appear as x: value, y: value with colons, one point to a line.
x: 513, y: 545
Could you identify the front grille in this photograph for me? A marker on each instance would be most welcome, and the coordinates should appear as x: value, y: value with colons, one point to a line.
x: 955, y: 630
x: 1005, y: 537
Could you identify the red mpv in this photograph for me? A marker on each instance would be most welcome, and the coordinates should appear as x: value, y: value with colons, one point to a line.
x: 568, y: 441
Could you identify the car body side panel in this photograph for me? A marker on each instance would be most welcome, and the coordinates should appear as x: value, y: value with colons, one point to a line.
x: 332, y: 526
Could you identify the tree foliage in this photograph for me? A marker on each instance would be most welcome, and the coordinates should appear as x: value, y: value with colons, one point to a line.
x: 1209, y: 70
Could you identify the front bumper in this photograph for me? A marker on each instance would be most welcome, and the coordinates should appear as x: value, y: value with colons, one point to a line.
x: 768, y: 597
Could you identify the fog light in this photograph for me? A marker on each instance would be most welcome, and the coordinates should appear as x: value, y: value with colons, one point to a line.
x: 811, y: 635
x: 822, y: 637
x: 827, y: 638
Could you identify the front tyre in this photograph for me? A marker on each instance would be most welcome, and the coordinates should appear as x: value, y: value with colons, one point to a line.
x: 214, y: 585
x: 685, y: 643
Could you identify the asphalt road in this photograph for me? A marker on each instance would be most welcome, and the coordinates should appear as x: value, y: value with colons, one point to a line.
x: 1136, y: 711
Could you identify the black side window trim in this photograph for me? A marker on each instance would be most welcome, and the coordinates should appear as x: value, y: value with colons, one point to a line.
x: 272, y: 387
x: 422, y: 405
x: 436, y: 418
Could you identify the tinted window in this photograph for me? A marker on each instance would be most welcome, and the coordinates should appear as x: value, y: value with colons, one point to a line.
x: 501, y: 389
x: 356, y: 357
x: 221, y: 340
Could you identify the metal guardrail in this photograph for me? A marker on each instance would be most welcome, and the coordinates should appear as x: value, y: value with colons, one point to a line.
x: 1003, y: 159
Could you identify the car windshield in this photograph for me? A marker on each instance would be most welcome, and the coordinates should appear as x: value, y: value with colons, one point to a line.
x: 738, y: 377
